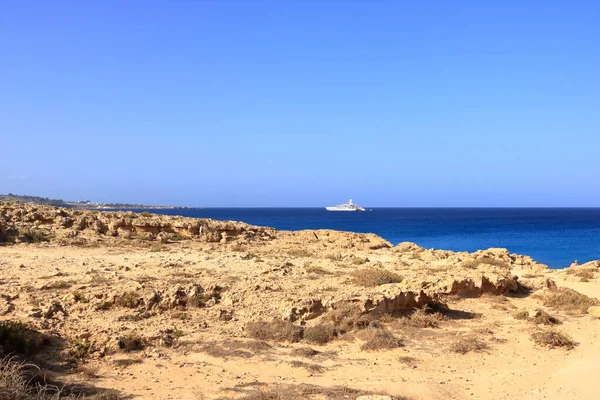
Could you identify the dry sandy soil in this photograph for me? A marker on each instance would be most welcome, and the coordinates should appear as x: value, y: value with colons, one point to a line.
x: 175, y: 308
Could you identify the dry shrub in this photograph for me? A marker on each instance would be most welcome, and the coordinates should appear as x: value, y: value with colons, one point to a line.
x: 17, y: 337
x: 360, y: 260
x: 378, y: 339
x: 235, y: 348
x: 300, y: 253
x: 315, y: 368
x: 131, y: 342
x: 281, y: 331
x: 58, y: 285
x: 543, y: 318
x: 80, y: 348
x: 334, y: 256
x: 313, y: 269
x: 552, y: 338
x: 16, y: 383
x: 320, y: 334
x: 347, y: 317
x: 129, y: 300
x: 304, y: 352
x: 424, y: 318
x: 522, y: 315
x: 568, y: 300
x: 465, y: 345
x: 587, y: 273
x: 370, y: 277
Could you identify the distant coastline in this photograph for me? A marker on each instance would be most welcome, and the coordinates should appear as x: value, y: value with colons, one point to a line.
x: 82, y: 204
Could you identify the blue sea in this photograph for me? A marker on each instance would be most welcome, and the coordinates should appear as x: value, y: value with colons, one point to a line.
x: 553, y: 236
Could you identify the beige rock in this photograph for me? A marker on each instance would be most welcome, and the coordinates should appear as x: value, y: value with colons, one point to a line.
x: 594, y: 311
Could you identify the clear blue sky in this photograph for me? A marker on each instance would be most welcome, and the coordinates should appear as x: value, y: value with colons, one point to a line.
x: 302, y: 103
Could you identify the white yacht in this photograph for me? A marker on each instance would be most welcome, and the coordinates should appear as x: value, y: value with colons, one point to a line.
x: 349, y: 206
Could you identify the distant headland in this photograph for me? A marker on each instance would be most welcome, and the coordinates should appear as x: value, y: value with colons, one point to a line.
x: 81, y: 204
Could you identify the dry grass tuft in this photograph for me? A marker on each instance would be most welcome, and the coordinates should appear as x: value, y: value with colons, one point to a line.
x: 378, y: 339
x: 16, y: 383
x: 300, y: 253
x: 235, y: 348
x: 568, y: 300
x: 370, y: 277
x: 304, y: 352
x: 424, y: 318
x: 585, y: 273
x: 521, y: 314
x: 465, y: 345
x: 320, y: 334
x: 552, y: 338
x: 57, y: 285
x: 313, y: 269
x: 360, y: 260
x: 543, y: 318
x: 281, y: 331
x: 315, y: 368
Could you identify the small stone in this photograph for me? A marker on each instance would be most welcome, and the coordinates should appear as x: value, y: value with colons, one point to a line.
x: 594, y: 311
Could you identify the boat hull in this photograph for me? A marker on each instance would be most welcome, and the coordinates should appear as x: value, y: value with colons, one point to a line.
x: 342, y: 209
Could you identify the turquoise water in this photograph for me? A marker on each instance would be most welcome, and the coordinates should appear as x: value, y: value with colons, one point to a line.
x: 555, y: 237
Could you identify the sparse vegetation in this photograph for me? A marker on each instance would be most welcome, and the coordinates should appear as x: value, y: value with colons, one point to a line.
x: 303, y: 392
x: 568, y: 300
x: 378, y: 339
x: 552, y: 338
x: 33, y: 236
x: 543, y: 318
x: 304, y: 352
x: 17, y: 337
x: 347, y: 317
x: 300, y: 253
x: 521, y: 315
x: 79, y: 297
x: 281, y: 331
x: 313, y: 269
x: 468, y: 344
x: 235, y: 348
x: 424, y: 318
x: 320, y: 334
x: 145, y: 214
x: 370, y: 277
x: 16, y: 383
x: 129, y: 300
x: 474, y: 264
x: 58, y: 285
x: 360, y: 260
x: 131, y: 342
x: 584, y: 273
x: 315, y: 368
x: 80, y: 348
